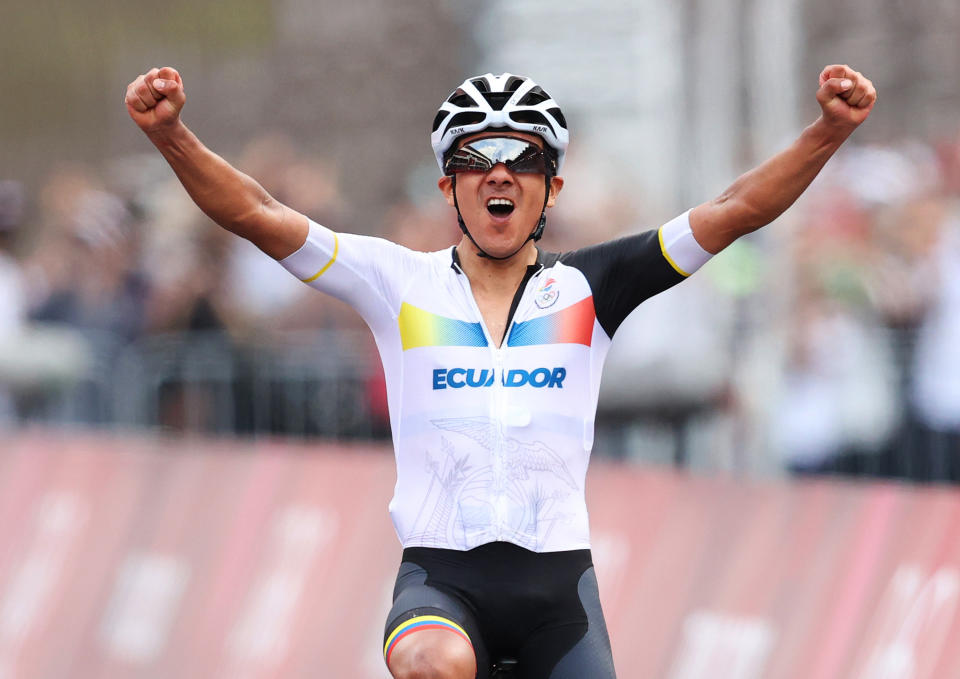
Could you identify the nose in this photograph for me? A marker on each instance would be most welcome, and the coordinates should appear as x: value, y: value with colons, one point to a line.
x: 499, y: 175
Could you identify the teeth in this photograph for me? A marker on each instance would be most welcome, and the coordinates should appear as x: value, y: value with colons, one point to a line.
x: 499, y: 201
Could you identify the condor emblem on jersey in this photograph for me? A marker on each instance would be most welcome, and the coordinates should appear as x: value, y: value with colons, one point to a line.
x: 547, y: 294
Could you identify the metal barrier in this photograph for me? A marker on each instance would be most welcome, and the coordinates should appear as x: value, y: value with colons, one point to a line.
x: 326, y: 384
x: 298, y: 384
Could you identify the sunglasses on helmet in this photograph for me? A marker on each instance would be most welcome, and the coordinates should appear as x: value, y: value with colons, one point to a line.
x: 480, y: 155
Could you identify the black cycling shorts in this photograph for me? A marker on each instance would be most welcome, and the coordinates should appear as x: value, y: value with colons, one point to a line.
x: 542, y: 609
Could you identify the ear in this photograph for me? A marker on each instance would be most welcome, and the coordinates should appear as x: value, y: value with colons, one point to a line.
x: 556, y: 183
x: 445, y: 184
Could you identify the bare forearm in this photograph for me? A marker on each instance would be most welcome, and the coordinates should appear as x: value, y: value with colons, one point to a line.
x: 229, y: 197
x: 761, y: 195
x: 758, y: 197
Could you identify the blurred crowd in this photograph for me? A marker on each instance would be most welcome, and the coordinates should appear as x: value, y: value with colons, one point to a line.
x: 872, y: 366
x: 829, y: 342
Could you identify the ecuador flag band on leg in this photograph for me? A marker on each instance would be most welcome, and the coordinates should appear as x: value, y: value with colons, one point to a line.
x: 421, y: 622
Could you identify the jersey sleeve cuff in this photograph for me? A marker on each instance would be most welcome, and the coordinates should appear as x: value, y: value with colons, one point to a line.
x: 680, y: 248
x: 315, y: 256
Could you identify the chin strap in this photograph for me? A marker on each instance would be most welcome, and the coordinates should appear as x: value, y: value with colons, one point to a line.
x: 534, y: 235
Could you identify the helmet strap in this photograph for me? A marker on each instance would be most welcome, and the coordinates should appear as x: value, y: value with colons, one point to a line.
x: 535, y: 235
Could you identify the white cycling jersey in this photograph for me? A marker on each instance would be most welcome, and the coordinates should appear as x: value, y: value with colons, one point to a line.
x: 492, y: 443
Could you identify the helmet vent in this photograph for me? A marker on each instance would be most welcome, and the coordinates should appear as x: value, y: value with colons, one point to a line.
x: 466, y: 118
x: 438, y: 119
x: 481, y: 84
x: 514, y: 83
x: 555, y: 112
x: 531, y: 118
x: 533, y: 97
x: 462, y: 99
x: 497, y: 99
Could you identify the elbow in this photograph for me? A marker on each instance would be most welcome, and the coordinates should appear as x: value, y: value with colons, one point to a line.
x: 254, y: 216
x: 719, y: 222
x: 269, y: 210
x: 742, y: 214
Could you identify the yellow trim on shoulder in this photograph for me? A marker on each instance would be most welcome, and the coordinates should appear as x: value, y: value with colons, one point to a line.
x: 421, y: 618
x: 336, y: 246
x: 666, y: 255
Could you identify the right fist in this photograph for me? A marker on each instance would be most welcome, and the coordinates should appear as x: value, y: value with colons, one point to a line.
x: 155, y: 98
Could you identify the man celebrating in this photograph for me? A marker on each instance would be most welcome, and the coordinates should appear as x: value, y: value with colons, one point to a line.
x: 493, y: 351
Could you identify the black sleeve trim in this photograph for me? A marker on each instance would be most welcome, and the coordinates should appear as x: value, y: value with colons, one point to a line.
x: 622, y: 273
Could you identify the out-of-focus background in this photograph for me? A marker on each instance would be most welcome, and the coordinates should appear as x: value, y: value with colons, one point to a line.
x: 194, y: 447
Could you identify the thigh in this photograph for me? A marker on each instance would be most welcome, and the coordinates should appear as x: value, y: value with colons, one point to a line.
x: 419, y: 607
x: 566, y: 650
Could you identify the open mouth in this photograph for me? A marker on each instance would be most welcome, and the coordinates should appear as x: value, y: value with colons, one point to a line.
x: 500, y: 207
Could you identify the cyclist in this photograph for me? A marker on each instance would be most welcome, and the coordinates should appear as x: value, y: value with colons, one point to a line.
x: 492, y: 351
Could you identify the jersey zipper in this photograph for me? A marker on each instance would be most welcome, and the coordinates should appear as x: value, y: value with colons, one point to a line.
x: 498, y: 400
x: 494, y: 412
x: 499, y: 478
x: 502, y: 501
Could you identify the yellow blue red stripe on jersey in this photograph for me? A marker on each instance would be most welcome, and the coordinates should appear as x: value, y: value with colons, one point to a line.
x: 421, y: 622
x: 573, y: 325
x: 420, y: 328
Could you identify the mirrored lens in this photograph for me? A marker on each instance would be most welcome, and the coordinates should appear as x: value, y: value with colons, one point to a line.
x: 482, y: 154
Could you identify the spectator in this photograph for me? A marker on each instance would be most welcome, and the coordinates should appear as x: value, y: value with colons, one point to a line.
x: 13, y: 303
x: 935, y: 388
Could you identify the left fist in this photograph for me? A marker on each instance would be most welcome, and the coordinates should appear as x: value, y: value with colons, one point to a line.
x: 845, y: 95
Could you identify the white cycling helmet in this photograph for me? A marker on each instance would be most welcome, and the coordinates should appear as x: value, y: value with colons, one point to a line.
x: 499, y: 101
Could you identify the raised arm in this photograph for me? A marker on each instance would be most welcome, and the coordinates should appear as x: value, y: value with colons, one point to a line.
x: 232, y: 199
x: 758, y: 197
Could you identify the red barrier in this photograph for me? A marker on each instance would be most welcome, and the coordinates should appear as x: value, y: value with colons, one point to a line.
x: 124, y: 557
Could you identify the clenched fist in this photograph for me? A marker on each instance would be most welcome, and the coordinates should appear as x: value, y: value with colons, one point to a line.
x: 155, y: 98
x: 845, y: 96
